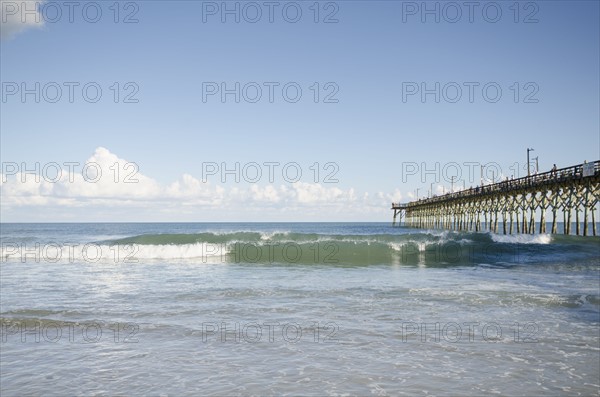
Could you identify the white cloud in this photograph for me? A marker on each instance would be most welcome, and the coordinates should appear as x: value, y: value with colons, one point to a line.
x: 393, y: 197
x: 310, y: 193
x: 107, y: 176
x: 267, y: 194
x: 190, y: 191
x: 102, y: 176
x: 17, y: 16
x: 104, y: 187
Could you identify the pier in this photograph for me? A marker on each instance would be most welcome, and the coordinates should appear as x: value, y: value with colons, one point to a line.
x: 513, y: 204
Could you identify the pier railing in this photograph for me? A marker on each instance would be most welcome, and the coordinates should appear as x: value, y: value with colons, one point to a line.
x: 572, y: 190
x: 572, y: 173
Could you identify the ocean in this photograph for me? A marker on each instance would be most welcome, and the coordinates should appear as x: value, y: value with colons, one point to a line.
x: 306, y: 309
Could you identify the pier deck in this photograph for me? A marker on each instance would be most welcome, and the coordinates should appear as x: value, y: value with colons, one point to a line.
x: 573, y: 190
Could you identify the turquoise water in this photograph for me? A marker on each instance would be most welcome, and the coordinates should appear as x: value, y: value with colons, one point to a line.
x: 297, y: 309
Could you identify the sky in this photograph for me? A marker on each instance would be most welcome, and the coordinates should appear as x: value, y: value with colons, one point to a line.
x: 192, y: 111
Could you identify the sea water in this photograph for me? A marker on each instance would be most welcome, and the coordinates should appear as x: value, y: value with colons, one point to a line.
x: 295, y: 309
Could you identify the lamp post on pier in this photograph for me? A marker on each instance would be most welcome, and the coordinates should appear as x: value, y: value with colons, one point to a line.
x: 481, y: 175
x: 528, y: 170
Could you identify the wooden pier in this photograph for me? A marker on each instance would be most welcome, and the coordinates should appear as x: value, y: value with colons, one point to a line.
x: 572, y: 191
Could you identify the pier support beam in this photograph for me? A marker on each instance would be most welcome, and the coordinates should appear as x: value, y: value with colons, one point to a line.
x: 517, y: 201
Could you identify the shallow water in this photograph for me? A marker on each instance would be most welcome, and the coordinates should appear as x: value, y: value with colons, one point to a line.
x: 327, y: 309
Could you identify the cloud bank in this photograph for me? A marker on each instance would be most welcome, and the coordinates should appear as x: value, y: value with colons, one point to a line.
x: 105, y: 183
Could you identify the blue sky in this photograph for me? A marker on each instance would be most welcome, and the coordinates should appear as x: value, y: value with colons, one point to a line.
x: 373, y: 54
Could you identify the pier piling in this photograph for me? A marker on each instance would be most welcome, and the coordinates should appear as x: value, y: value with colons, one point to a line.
x: 572, y: 189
